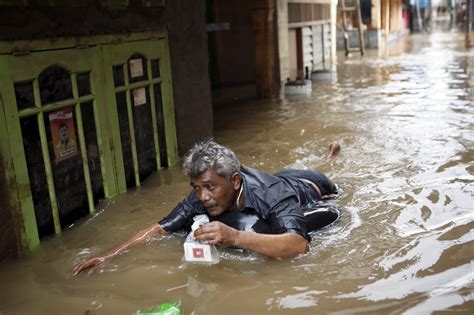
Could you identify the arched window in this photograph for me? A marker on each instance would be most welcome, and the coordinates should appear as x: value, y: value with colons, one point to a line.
x: 55, y: 84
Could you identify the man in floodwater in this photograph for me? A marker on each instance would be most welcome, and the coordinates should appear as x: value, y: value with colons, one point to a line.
x: 222, y: 188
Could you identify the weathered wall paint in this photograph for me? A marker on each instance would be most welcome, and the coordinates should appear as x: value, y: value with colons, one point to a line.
x: 8, y: 236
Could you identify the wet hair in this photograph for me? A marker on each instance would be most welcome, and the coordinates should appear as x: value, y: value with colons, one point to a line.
x: 207, y: 155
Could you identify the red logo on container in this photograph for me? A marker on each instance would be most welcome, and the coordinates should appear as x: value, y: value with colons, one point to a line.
x: 198, y: 253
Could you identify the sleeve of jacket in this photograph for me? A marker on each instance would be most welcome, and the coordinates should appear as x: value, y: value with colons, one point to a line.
x: 287, y: 217
x: 181, y: 217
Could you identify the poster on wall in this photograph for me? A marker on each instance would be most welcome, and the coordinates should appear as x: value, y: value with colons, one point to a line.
x: 136, y: 68
x: 139, y: 96
x: 63, y: 133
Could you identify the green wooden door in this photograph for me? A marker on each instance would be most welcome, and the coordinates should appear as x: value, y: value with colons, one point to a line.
x: 139, y: 93
x: 79, y: 124
x: 54, y: 108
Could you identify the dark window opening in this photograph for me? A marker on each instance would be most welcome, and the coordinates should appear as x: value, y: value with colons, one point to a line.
x: 93, y: 152
x: 24, y: 95
x: 55, y: 85
x: 143, y: 124
x: 125, y: 139
x: 37, y: 175
x: 155, y: 68
x: 83, y: 84
x: 119, y: 79
x: 160, y: 121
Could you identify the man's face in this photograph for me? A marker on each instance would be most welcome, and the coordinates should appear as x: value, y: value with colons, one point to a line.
x: 63, y: 133
x: 215, y: 193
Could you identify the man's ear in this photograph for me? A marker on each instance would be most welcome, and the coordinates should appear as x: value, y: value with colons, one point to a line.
x: 235, y: 179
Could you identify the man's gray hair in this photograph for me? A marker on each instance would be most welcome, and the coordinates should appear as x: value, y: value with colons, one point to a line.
x: 207, y: 155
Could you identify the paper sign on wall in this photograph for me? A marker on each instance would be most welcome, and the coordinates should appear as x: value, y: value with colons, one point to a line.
x: 139, y: 96
x: 136, y: 68
x: 63, y: 134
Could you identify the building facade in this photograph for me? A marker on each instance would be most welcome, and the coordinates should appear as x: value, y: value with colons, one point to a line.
x: 256, y: 46
x: 94, y: 97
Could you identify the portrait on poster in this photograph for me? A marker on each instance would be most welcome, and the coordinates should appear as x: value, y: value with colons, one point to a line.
x: 63, y: 134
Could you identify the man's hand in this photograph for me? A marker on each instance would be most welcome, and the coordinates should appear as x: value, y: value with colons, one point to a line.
x: 140, y: 237
x: 217, y: 233
x: 86, y: 264
x: 272, y: 245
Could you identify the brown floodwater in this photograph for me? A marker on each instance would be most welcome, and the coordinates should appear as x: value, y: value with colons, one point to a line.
x: 405, y: 240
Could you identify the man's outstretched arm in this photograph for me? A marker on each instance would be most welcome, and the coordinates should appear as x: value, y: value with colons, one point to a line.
x: 285, y: 245
x: 138, y: 238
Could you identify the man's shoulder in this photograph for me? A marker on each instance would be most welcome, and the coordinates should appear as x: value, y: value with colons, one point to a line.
x: 264, y: 190
x: 256, y: 177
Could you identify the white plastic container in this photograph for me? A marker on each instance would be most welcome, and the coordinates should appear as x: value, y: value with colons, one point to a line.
x: 197, y: 251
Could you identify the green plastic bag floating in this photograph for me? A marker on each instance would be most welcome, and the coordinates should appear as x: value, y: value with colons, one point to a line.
x: 168, y: 308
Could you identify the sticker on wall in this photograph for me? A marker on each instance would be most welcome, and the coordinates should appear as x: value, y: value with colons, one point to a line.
x: 63, y: 133
x: 139, y: 96
x: 136, y: 68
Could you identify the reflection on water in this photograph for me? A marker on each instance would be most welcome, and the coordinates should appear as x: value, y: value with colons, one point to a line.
x: 405, y: 240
